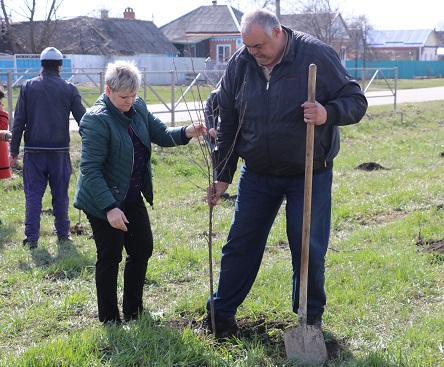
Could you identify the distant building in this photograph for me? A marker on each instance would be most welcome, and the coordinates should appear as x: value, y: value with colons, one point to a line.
x: 90, y: 36
x: 420, y: 44
x: 440, y: 51
x: 214, y: 31
x: 209, y: 31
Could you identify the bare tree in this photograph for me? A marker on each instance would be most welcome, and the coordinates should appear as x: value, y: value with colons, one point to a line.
x: 359, y: 28
x: 40, y: 32
x: 321, y: 19
x: 7, y: 29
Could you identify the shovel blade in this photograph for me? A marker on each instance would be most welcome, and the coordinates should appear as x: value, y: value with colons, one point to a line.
x: 306, y: 344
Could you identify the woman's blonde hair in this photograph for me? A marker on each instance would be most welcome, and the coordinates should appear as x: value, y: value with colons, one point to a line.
x: 123, y: 76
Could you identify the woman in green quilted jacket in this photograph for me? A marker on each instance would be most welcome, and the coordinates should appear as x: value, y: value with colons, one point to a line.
x: 115, y: 175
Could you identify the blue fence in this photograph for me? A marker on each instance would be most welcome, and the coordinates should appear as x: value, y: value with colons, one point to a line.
x: 406, y: 69
x: 26, y: 68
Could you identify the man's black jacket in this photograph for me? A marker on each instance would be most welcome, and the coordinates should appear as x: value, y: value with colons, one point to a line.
x: 264, y: 121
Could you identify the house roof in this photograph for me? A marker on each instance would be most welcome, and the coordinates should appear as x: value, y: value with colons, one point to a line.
x: 96, y: 36
x: 407, y: 38
x: 207, y: 21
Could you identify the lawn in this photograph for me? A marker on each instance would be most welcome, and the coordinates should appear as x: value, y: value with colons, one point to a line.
x: 384, y: 267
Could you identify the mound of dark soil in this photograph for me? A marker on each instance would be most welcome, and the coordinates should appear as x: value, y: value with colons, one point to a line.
x: 370, y: 166
x: 437, y: 247
x: 267, y: 332
x: 78, y: 229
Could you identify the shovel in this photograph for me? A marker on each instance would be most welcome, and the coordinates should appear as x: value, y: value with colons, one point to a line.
x: 306, y: 342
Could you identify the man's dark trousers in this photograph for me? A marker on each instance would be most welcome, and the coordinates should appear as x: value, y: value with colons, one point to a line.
x: 39, y: 169
x: 258, y: 202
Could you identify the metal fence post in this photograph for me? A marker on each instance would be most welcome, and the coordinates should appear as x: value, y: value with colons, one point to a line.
x: 11, y: 115
x: 173, y: 98
x: 144, y: 84
x: 363, y: 76
x: 102, y: 81
x: 396, y: 86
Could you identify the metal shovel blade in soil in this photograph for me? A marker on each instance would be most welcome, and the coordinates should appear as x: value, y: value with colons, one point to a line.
x: 305, y: 343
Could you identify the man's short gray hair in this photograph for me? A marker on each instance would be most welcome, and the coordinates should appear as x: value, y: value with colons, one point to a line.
x: 266, y: 19
x: 123, y: 76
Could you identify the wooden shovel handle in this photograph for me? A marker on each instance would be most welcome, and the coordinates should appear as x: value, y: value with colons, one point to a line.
x: 303, y: 281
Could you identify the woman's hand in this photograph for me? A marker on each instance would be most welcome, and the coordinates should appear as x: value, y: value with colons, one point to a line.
x: 195, y: 129
x: 117, y: 219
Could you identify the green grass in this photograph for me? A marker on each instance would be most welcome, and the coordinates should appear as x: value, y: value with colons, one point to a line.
x: 385, y: 293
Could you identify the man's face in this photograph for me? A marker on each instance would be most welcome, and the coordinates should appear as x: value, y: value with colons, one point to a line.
x: 265, y: 50
x: 122, y: 100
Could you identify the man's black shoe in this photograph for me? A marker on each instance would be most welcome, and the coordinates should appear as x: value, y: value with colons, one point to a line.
x: 225, y: 326
x: 131, y: 317
x: 31, y: 244
x: 115, y: 322
x: 315, y: 320
x: 66, y: 238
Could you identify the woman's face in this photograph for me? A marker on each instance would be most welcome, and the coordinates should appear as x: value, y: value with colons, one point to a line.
x: 122, y: 100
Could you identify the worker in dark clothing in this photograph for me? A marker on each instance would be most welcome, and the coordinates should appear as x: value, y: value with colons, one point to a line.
x: 263, y: 120
x: 42, y: 113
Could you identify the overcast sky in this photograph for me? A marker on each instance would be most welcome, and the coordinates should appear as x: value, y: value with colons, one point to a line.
x: 382, y: 14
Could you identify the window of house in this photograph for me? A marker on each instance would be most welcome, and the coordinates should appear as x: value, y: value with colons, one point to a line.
x: 223, y: 53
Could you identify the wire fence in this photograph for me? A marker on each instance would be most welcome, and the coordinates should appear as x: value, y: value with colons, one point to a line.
x: 177, y: 101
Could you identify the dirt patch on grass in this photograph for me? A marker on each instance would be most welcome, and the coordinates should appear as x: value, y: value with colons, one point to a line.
x: 371, y: 166
x: 78, y: 229
x: 436, y: 247
x: 269, y: 333
x: 383, y: 218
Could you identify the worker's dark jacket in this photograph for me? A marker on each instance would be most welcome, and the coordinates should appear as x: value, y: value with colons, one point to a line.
x: 107, y: 153
x: 266, y: 120
x: 42, y: 113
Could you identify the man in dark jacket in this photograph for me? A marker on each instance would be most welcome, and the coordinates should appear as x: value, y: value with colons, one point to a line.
x: 42, y: 113
x: 264, y: 115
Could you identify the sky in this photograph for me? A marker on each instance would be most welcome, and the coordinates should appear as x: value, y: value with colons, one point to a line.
x: 382, y: 14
